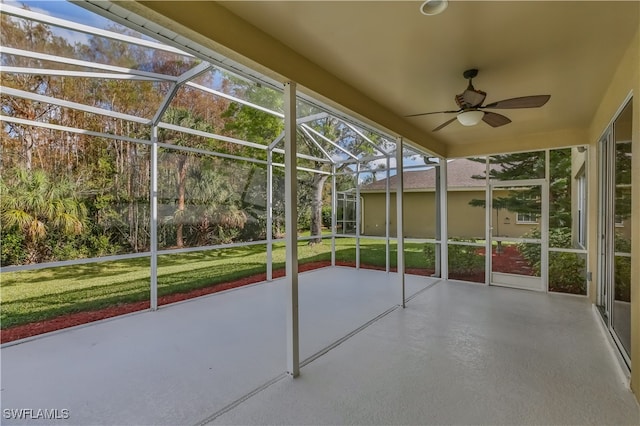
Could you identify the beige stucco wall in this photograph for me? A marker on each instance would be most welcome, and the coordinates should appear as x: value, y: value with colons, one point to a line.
x: 464, y: 221
x: 625, y: 81
x: 419, y: 214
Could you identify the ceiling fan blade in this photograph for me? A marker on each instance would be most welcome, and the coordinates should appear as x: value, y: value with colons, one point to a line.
x: 522, y: 102
x: 446, y: 123
x: 435, y: 112
x: 495, y: 120
x: 470, y: 98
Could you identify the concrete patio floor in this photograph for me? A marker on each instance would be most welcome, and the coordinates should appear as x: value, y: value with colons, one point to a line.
x: 458, y: 354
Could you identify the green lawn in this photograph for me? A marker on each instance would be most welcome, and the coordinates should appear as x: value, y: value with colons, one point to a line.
x: 30, y: 296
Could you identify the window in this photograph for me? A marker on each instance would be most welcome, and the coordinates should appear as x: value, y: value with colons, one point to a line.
x: 530, y: 203
x: 526, y: 218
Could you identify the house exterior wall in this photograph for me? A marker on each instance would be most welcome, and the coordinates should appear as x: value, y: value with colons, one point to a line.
x: 464, y: 220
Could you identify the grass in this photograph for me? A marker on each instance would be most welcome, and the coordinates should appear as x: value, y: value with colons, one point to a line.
x: 30, y: 296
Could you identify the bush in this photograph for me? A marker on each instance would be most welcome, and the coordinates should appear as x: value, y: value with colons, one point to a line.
x: 566, y: 270
x: 567, y: 273
x: 326, y: 217
x: 622, y: 278
x: 462, y: 259
x: 12, y: 248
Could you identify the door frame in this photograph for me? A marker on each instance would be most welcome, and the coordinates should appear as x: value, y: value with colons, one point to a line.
x: 544, y: 229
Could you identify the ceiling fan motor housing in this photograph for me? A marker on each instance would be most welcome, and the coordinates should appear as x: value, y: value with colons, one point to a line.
x: 469, y: 74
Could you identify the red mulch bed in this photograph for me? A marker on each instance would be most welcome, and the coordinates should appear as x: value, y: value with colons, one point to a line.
x: 508, y: 261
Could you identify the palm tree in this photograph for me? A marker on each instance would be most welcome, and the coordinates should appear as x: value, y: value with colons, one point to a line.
x: 37, y: 205
x: 182, y: 161
x: 216, y: 215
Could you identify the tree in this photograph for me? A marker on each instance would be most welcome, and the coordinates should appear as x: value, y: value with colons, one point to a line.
x: 531, y: 165
x: 37, y: 205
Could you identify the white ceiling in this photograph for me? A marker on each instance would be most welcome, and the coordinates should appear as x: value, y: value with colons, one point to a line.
x: 412, y: 63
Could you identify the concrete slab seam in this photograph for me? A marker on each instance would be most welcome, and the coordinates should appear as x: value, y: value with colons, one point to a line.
x: 346, y: 337
x: 419, y: 292
x: 240, y: 400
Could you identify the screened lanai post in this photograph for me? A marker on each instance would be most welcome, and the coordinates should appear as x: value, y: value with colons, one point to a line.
x: 442, y: 218
x: 358, y: 215
x: 269, y: 214
x: 400, y: 219
x: 387, y: 215
x: 291, y: 227
x: 334, y: 206
x: 544, y: 257
x: 438, y: 197
x: 154, y: 219
x: 489, y: 203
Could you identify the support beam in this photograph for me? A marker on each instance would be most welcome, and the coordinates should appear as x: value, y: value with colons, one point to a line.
x: 488, y: 202
x: 291, y: 215
x: 544, y: 245
x: 444, y: 228
x: 84, y: 64
x: 182, y: 79
x: 334, y: 209
x: 358, y: 210
x: 400, y: 220
x: 154, y: 219
x: 269, y: 215
x: 387, y: 215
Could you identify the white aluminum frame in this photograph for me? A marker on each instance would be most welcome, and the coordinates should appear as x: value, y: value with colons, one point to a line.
x: 288, y: 150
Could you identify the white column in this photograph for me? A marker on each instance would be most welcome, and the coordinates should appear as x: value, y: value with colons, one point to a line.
x: 269, y: 214
x: 400, y: 219
x: 154, y: 219
x: 358, y: 210
x: 388, y: 215
x: 544, y: 231
x: 444, y: 229
x: 291, y: 215
x: 488, y: 202
x: 334, y: 207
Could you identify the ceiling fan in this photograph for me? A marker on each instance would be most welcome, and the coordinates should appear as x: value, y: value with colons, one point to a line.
x: 471, y: 108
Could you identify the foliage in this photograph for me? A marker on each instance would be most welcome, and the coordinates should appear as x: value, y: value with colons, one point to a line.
x: 463, y: 259
x: 622, y: 269
x: 566, y: 270
x: 326, y: 216
x: 531, y: 165
x: 34, y: 204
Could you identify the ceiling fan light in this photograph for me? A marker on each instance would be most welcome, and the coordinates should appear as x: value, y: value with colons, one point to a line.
x: 433, y: 7
x: 470, y: 118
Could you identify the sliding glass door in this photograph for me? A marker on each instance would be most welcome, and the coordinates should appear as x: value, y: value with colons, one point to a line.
x: 614, y: 230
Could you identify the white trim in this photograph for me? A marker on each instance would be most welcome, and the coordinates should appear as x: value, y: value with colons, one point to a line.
x: 153, y: 219
x: 291, y: 227
x: 81, y: 74
x: 74, y: 105
x: 400, y: 222
x: 85, y: 64
x: 235, y: 99
x: 72, y: 130
x: 323, y: 137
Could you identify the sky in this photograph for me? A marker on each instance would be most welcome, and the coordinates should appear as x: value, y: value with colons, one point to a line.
x: 62, y: 9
